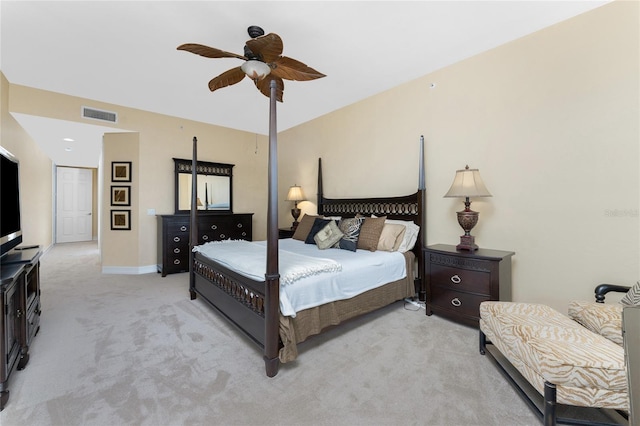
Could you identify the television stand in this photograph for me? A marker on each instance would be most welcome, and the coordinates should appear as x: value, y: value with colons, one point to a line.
x: 20, y: 320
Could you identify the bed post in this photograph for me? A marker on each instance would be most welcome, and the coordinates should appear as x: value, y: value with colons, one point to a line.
x: 272, y: 277
x: 193, y: 218
x: 320, y: 196
x: 422, y: 202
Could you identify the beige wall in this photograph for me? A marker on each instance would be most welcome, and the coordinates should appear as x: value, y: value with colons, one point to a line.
x: 160, y: 139
x: 551, y: 121
x: 36, y: 175
x: 120, y: 248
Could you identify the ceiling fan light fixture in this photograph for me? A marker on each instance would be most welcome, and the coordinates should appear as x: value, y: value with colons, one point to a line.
x: 256, y: 70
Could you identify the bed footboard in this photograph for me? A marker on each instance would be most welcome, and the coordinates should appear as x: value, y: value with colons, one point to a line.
x: 238, y: 298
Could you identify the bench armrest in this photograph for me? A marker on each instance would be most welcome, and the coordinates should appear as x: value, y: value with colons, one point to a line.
x: 603, y: 289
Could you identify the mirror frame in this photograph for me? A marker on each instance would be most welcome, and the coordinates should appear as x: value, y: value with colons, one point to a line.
x: 206, y: 168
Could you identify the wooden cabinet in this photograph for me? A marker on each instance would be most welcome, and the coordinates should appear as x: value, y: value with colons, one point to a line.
x: 458, y: 281
x: 20, y: 320
x: 173, y: 236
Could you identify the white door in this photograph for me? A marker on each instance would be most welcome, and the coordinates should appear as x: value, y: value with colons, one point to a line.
x: 73, y: 204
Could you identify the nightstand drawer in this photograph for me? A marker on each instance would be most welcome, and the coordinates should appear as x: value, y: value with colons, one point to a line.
x: 466, y: 304
x: 460, y: 279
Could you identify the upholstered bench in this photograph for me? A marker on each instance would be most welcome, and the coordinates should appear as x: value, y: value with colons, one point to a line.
x: 564, y: 361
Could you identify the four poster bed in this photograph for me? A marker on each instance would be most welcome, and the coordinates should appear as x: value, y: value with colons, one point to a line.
x: 256, y: 309
x: 266, y: 307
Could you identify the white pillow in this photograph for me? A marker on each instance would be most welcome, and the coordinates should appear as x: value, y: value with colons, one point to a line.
x: 410, y: 235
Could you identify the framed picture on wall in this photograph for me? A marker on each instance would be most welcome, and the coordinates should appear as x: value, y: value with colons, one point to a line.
x: 120, y: 195
x: 120, y: 220
x: 121, y: 171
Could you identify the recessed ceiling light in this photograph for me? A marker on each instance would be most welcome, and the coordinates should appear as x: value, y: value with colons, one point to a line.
x: 68, y: 140
x: 68, y: 149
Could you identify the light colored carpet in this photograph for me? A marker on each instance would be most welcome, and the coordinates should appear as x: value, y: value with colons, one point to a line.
x: 134, y: 350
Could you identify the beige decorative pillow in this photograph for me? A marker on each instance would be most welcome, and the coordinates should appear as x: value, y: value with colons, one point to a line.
x: 410, y: 236
x: 391, y: 237
x: 632, y: 298
x: 328, y: 236
x: 370, y: 233
x: 304, y: 227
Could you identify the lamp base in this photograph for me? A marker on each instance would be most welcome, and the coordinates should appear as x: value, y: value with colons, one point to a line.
x: 295, y: 212
x: 467, y: 242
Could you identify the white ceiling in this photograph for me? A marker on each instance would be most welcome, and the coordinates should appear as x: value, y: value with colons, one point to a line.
x: 124, y: 53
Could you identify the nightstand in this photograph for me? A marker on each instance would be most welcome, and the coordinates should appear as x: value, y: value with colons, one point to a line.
x: 458, y: 281
x: 285, y: 233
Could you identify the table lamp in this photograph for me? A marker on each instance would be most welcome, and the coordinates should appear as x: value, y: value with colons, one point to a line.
x: 295, y: 195
x: 467, y: 183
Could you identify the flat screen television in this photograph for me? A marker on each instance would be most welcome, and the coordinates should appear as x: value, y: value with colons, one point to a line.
x: 10, y: 227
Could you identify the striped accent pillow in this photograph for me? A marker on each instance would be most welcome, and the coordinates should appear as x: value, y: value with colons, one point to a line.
x: 632, y: 298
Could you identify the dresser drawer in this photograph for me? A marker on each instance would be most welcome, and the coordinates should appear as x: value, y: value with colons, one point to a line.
x: 177, y: 250
x: 177, y: 229
x: 460, y: 279
x: 178, y: 263
x: 177, y: 240
x: 466, y: 304
x: 217, y: 228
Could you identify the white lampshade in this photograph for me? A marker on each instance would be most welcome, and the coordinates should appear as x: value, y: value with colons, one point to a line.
x: 256, y: 70
x: 295, y: 194
x: 468, y: 183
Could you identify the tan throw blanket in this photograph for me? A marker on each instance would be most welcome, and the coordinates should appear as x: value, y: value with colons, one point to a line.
x: 250, y: 260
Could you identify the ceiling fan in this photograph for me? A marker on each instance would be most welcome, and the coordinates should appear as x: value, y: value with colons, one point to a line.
x: 263, y: 63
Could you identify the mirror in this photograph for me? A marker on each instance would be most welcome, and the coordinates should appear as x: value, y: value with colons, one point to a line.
x: 214, y: 186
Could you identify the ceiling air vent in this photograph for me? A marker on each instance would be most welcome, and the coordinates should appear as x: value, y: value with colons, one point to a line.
x: 98, y: 114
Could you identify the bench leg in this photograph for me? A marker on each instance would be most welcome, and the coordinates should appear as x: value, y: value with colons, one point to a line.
x: 483, y: 342
x: 549, y: 404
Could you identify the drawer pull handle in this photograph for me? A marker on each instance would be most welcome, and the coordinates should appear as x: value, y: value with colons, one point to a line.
x: 244, y: 234
x: 176, y: 261
x: 176, y: 239
x: 205, y: 237
x: 222, y: 236
x: 214, y: 227
x: 176, y: 250
x: 183, y: 228
x: 456, y: 279
x: 239, y: 225
x: 456, y: 302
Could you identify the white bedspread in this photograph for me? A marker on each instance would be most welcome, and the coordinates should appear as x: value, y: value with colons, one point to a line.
x: 250, y: 259
x: 361, y: 271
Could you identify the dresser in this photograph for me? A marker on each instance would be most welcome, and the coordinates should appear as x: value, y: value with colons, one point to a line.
x: 458, y: 281
x: 173, y: 236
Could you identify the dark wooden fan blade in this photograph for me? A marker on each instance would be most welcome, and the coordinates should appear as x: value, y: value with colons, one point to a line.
x: 290, y: 69
x: 267, y: 47
x: 263, y: 87
x: 208, y: 52
x: 227, y: 78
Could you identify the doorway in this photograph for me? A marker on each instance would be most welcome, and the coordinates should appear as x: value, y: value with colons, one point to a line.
x: 74, y: 196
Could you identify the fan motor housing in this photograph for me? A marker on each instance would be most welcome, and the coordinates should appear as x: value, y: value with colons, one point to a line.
x: 255, y: 31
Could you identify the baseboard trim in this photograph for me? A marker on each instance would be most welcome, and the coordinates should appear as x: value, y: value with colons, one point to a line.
x: 129, y: 270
